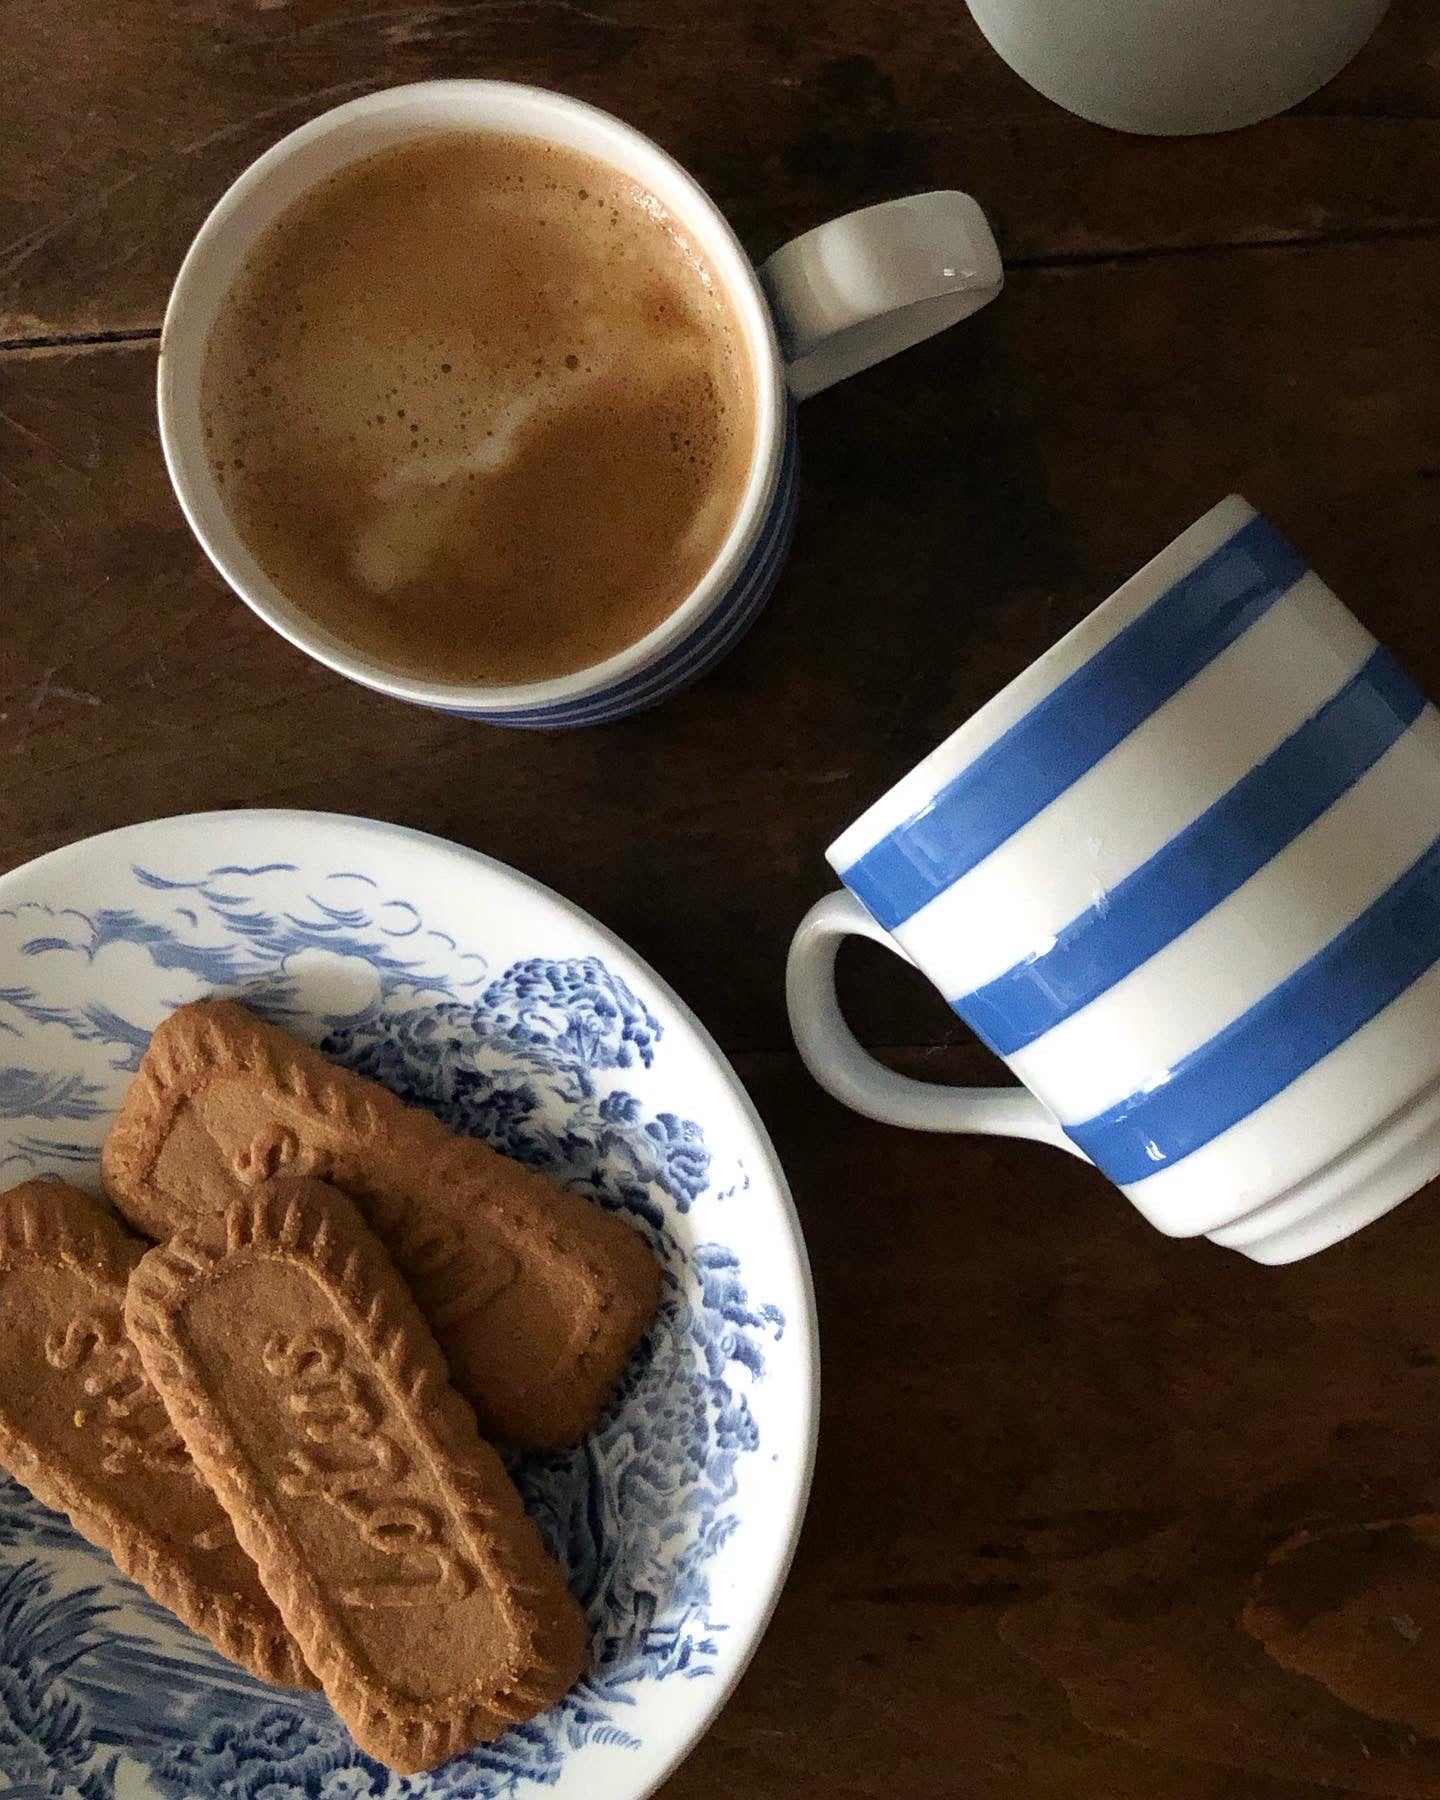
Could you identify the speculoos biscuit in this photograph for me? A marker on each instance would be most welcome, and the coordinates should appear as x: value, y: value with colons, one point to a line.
x: 537, y: 1295
x: 83, y: 1429
x: 314, y: 1399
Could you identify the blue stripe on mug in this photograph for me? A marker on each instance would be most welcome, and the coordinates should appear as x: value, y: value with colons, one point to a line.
x: 721, y: 631
x: 1202, y: 865
x: 1355, y: 977
x: 1068, y: 732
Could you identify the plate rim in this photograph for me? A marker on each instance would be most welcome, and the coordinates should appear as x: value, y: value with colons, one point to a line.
x: 797, y: 1500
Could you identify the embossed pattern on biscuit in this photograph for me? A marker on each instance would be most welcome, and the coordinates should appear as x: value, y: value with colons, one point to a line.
x: 312, y: 1395
x: 82, y: 1427
x: 536, y: 1295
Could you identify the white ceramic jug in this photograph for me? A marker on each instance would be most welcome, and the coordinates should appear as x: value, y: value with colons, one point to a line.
x: 1173, y: 67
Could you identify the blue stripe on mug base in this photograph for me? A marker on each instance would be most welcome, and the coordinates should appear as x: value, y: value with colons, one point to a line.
x: 1077, y: 724
x: 1355, y: 977
x: 1205, y: 863
x: 713, y: 641
x: 694, y: 655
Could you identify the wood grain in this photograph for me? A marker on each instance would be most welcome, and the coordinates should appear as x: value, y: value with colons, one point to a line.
x: 787, y: 115
x: 1097, y: 1513
x: 1098, y: 1516
x: 962, y: 507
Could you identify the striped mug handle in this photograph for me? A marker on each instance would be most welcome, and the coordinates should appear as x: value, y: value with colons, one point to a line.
x: 870, y: 284
x: 835, y: 1058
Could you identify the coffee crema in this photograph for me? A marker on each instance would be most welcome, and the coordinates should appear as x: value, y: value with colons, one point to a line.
x: 477, y: 405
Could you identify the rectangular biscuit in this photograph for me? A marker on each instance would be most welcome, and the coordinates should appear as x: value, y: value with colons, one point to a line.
x: 537, y: 1295
x: 314, y: 1399
x: 83, y: 1429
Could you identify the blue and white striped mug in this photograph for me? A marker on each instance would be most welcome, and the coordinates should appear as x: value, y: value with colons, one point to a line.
x: 1183, y: 876
x: 824, y: 306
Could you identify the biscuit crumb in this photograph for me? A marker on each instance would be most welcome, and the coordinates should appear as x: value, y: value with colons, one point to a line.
x: 79, y: 1415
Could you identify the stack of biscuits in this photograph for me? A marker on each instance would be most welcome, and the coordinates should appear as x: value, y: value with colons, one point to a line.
x: 273, y: 1419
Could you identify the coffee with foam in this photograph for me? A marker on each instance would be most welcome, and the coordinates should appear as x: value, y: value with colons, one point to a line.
x: 478, y: 407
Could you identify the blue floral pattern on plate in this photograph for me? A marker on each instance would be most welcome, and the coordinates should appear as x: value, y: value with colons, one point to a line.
x: 549, y: 1059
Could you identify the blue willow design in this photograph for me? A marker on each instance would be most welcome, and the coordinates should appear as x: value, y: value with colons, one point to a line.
x: 534, y: 1060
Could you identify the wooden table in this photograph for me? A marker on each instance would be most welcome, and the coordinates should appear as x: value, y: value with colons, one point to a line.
x: 1096, y: 1514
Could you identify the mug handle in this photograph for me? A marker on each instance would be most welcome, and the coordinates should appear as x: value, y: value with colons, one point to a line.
x: 833, y: 1056
x: 874, y: 282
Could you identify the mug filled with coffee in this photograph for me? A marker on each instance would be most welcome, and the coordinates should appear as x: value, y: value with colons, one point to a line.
x: 470, y: 391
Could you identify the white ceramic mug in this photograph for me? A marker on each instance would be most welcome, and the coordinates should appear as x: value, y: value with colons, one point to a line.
x: 1173, y: 67
x: 830, y: 303
x: 1183, y: 875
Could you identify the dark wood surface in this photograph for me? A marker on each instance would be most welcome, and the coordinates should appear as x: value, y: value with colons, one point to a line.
x: 1096, y: 1514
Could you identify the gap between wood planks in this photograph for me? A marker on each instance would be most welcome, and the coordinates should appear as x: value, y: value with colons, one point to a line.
x: 41, y: 342
x: 80, y: 340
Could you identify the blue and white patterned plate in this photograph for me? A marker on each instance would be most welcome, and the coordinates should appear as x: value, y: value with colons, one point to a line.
x: 473, y: 990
